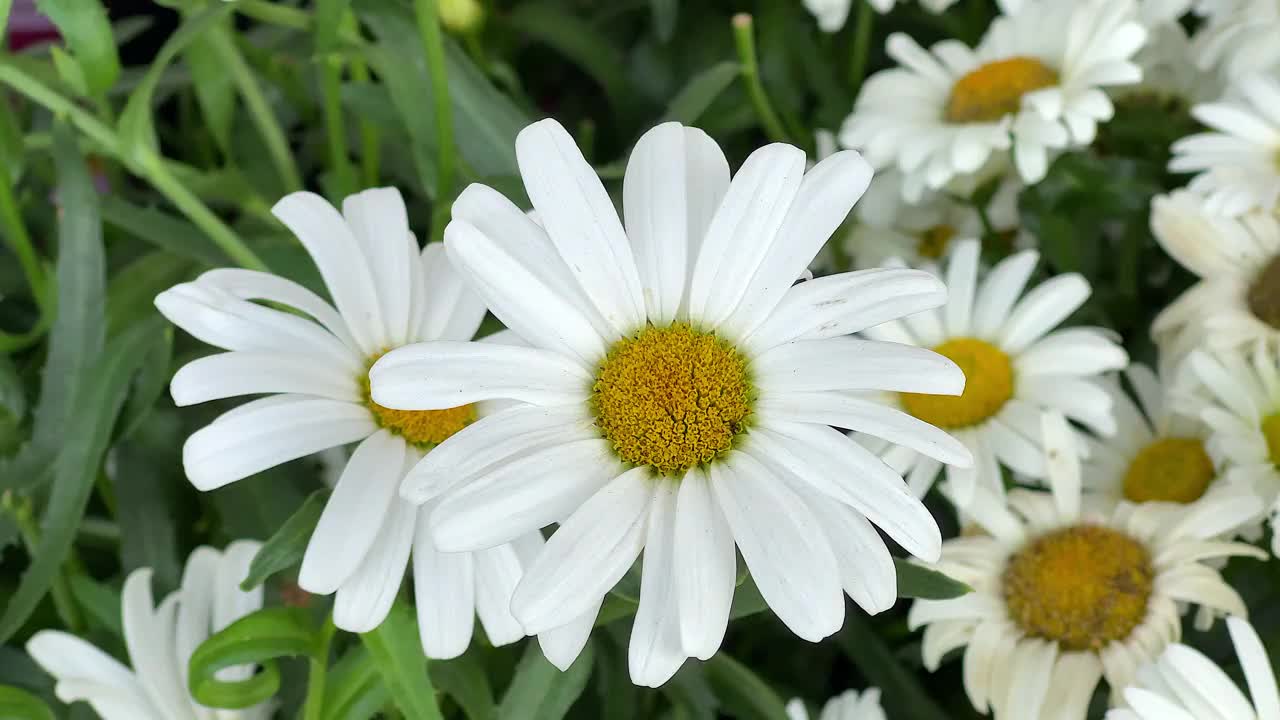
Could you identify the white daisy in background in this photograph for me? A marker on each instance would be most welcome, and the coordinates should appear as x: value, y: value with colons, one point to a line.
x: 681, y: 392
x: 848, y: 705
x: 1238, y: 37
x: 832, y: 14
x: 1185, y: 685
x: 1238, y: 161
x: 1015, y: 368
x: 1032, y: 85
x: 160, y: 640
x: 313, y: 364
x: 1063, y: 597
x: 1168, y: 67
x: 922, y: 232
x: 1243, y: 415
x: 1237, y: 300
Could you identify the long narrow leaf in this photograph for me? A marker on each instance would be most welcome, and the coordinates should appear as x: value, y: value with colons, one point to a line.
x: 397, y: 651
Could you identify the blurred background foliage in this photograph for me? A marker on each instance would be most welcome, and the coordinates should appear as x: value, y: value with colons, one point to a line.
x: 144, y: 143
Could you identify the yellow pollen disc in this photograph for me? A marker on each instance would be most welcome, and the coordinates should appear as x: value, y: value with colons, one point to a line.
x: 1083, y: 586
x: 994, y: 90
x: 422, y: 428
x: 934, y: 241
x: 1271, y: 431
x: 1264, y: 294
x: 1176, y: 470
x: 988, y: 385
x: 672, y: 397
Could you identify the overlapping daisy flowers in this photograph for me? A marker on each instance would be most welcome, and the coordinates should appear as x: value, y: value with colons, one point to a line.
x: 672, y: 397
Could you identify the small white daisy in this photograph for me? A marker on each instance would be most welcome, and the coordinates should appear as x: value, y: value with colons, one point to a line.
x: 1238, y: 161
x: 681, y: 392
x: 1168, y: 67
x: 1014, y: 367
x: 1238, y: 37
x: 1064, y: 597
x: 1243, y: 414
x: 160, y: 640
x: 848, y: 705
x: 313, y: 366
x: 922, y: 232
x: 832, y: 14
x: 1033, y: 84
x: 1185, y: 685
x: 1237, y: 300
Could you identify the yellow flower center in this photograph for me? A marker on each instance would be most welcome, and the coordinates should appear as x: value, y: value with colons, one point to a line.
x: 1271, y: 431
x: 672, y: 397
x: 421, y: 428
x: 1264, y: 294
x: 988, y: 385
x: 934, y: 241
x: 1174, y: 470
x: 994, y: 90
x: 1083, y: 586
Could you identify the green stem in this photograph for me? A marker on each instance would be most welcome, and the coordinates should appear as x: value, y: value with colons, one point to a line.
x: 15, y: 231
x: 274, y: 13
x: 313, y: 710
x: 861, y: 44
x: 24, y: 518
x: 4, y: 17
x: 224, y: 237
x: 744, y: 38
x: 259, y: 110
x: 370, y: 152
x: 433, y: 44
x: 344, y: 179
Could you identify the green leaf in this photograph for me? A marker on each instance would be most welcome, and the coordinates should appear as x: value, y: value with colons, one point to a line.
x: 79, y: 461
x: 152, y: 381
x: 397, y: 652
x: 905, y: 697
x: 702, y: 89
x: 286, y: 548
x: 174, y: 236
x: 579, y: 41
x: 87, y: 31
x: 99, y: 601
x: 69, y: 70
x: 917, y: 581
x: 742, y: 693
x: 213, y: 85
x: 258, y: 638
x: 144, y: 497
x: 747, y: 600
x: 13, y: 406
x: 329, y: 14
x: 463, y: 679
x: 665, y: 13
x: 16, y: 704
x: 539, y: 691
x: 133, y: 289
x: 354, y: 690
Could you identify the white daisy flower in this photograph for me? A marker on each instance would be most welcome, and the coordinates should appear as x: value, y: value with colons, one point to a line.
x: 1238, y: 37
x: 1238, y: 162
x: 1168, y: 67
x: 848, y: 705
x: 1237, y: 300
x: 1015, y: 368
x: 681, y: 392
x: 1033, y: 85
x: 922, y: 232
x: 832, y: 14
x: 160, y: 640
x: 313, y: 366
x: 1185, y: 685
x: 1243, y: 415
x: 1064, y: 597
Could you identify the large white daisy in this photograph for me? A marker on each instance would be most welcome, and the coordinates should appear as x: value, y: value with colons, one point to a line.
x: 680, y: 392
x: 1015, y: 368
x: 313, y: 365
x: 1238, y: 161
x: 1063, y: 596
x: 1243, y: 415
x: 160, y: 640
x: 1185, y: 685
x: 848, y: 705
x: 1237, y: 300
x: 1033, y: 84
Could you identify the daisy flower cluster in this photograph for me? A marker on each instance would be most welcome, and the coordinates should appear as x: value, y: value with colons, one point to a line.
x: 971, y: 405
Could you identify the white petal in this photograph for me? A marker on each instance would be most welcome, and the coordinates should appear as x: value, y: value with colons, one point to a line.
x: 587, y: 555
x: 451, y: 309
x: 846, y: 363
x: 380, y: 223
x: 962, y: 278
x: 1000, y: 290
x: 1063, y: 464
x: 867, y: 571
x: 1257, y: 668
x: 254, y: 285
x: 357, y: 510
x: 444, y: 588
x: 365, y: 598
x: 67, y: 657
x: 439, y: 375
x: 498, y: 571
x: 581, y: 221
x: 195, y: 608
x: 563, y: 644
x: 705, y: 567
x: 225, y: 375
x: 261, y: 435
x: 149, y: 636
x: 655, y: 653
x: 707, y: 183
x: 1042, y: 309
x: 655, y: 194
